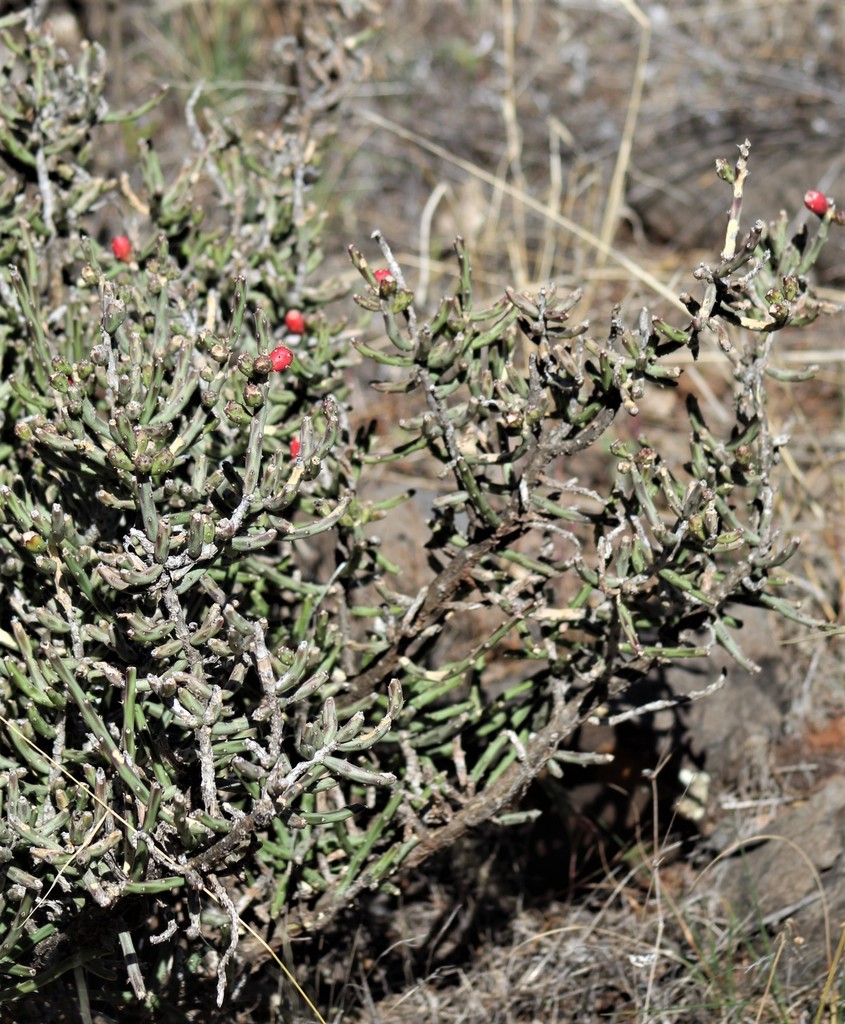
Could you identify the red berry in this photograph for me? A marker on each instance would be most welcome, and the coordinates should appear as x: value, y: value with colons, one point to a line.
x: 281, y: 358
x: 385, y: 282
x: 295, y: 321
x: 816, y: 202
x: 294, y: 447
x: 122, y: 248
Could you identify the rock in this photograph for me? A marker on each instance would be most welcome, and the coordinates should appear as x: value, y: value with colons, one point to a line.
x: 792, y: 870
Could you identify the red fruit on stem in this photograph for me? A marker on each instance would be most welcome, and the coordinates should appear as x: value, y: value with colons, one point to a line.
x: 816, y: 202
x: 122, y: 248
x: 294, y: 447
x: 281, y: 358
x: 385, y: 282
x: 295, y: 321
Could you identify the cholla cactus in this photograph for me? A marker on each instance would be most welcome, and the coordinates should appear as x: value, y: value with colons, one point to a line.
x: 584, y: 592
x: 168, y: 676
x: 183, y: 695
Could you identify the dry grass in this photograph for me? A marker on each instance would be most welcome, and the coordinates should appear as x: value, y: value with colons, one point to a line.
x: 651, y: 940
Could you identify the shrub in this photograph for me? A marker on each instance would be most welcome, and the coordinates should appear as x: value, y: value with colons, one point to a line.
x: 201, y: 705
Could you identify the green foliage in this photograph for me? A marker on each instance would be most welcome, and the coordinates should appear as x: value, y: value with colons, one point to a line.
x: 197, y: 701
x: 170, y: 686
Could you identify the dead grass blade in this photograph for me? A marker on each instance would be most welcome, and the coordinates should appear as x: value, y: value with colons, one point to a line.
x: 542, y: 209
x: 616, y: 192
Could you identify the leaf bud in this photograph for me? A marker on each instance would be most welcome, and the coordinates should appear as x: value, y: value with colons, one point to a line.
x: 162, y: 461
x: 236, y: 414
x: 245, y: 364
x: 119, y: 459
x: 253, y: 395
x: 143, y: 461
x: 220, y: 352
